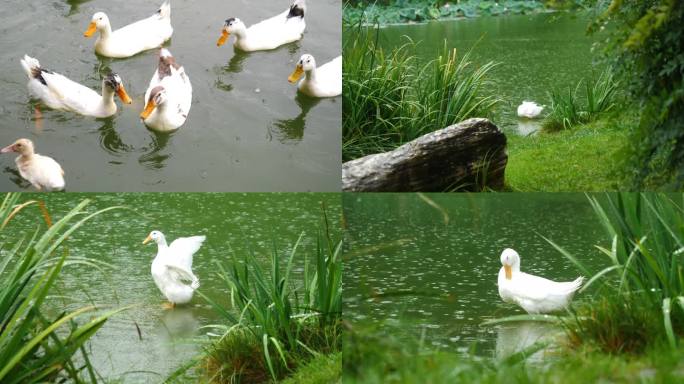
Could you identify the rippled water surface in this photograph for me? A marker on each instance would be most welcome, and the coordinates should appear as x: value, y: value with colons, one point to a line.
x: 536, y: 53
x: 434, y: 271
x: 234, y: 221
x: 247, y: 129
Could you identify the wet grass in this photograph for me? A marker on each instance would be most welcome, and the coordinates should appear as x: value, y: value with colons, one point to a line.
x: 590, y: 157
x: 391, y: 97
x: 273, y: 326
x: 37, y: 345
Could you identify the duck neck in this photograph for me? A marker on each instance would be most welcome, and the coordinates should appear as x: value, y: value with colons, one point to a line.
x: 108, y: 98
x: 310, y: 75
x: 161, y: 244
x: 105, y: 31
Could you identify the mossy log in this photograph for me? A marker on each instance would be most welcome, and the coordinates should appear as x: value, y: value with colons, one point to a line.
x: 468, y: 156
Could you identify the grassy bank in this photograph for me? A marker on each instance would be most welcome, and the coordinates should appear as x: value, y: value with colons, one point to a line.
x: 275, y: 329
x: 587, y: 157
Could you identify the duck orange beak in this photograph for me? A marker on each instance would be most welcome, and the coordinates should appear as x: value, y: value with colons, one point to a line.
x: 299, y: 70
x: 147, y: 239
x: 151, y: 105
x: 509, y: 272
x: 121, y: 91
x: 91, y: 29
x: 224, y: 36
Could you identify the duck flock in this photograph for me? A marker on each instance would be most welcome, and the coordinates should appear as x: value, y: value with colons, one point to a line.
x: 168, y: 97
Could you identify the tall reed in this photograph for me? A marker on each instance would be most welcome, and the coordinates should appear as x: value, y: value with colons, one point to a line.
x: 391, y: 96
x: 644, y: 277
x: 36, y: 345
x: 274, y: 317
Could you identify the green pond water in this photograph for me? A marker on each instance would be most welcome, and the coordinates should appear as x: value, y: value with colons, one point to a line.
x: 234, y: 221
x: 536, y: 54
x: 407, y: 267
x: 247, y: 130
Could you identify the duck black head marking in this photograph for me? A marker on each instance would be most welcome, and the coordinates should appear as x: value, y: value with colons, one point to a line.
x: 229, y: 21
x: 295, y: 11
x: 112, y: 80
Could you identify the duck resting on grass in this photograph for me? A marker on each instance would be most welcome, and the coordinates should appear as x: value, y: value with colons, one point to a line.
x: 529, y: 109
x: 324, y: 81
x: 268, y: 34
x: 43, y: 172
x: 172, y: 267
x: 533, y: 293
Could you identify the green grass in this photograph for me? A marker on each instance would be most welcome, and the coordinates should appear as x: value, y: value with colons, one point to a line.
x: 274, y: 326
x: 323, y: 369
x: 588, y: 158
x: 390, y: 97
x: 37, y: 345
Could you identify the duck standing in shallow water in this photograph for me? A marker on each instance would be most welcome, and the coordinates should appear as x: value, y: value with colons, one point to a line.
x: 134, y: 38
x: 59, y: 92
x: 168, y: 97
x: 268, y: 34
x: 324, y: 81
x: 529, y: 109
x: 533, y: 293
x: 172, y: 267
x: 43, y: 172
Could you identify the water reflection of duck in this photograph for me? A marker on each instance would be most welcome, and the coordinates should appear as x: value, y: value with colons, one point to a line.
x: 153, y: 158
x: 292, y: 130
x: 516, y: 337
x: 533, y: 293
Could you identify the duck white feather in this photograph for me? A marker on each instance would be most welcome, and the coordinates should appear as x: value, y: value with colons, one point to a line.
x: 168, y: 97
x: 134, y: 38
x: 529, y: 109
x: 43, y: 172
x: 324, y: 81
x: 271, y: 33
x: 533, y: 293
x: 172, y: 267
x: 59, y: 92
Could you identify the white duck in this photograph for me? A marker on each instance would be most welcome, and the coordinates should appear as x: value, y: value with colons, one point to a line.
x: 172, y: 267
x: 134, y: 38
x: 324, y: 81
x: 43, y: 172
x: 168, y: 97
x: 268, y: 34
x: 59, y: 92
x: 533, y: 293
x: 529, y: 109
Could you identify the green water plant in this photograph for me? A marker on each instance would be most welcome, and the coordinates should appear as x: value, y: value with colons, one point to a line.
x: 276, y: 324
x: 37, y: 343
x: 640, y: 292
x: 391, y: 97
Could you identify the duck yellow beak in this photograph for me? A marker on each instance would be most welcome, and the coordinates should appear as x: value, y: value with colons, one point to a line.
x: 121, y: 91
x: 91, y: 29
x: 224, y: 36
x: 148, y: 109
x: 509, y: 272
x: 147, y: 239
x: 296, y: 74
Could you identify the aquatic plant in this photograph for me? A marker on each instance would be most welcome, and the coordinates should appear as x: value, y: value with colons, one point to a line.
x: 390, y: 98
x: 644, y: 278
x: 37, y: 344
x: 274, y: 324
x: 411, y: 11
x: 567, y: 110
